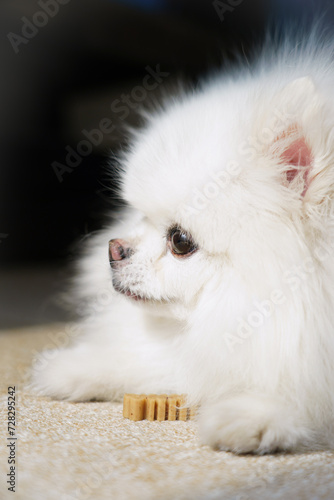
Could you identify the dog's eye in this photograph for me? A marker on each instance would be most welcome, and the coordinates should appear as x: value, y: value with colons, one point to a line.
x: 181, y: 243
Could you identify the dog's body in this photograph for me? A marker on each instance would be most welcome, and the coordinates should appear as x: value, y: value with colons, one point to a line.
x: 223, y: 286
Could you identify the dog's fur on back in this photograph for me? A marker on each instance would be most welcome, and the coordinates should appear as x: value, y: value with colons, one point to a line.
x: 244, y: 324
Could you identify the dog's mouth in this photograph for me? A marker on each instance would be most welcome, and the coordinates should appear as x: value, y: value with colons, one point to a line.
x: 133, y: 296
x: 127, y: 292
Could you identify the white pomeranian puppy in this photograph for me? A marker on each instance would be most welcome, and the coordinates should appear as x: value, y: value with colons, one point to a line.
x: 220, y: 277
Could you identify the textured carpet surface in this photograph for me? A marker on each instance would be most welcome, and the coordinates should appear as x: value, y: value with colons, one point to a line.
x: 68, y: 451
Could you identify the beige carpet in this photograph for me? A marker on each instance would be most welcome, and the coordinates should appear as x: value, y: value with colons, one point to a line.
x: 68, y: 451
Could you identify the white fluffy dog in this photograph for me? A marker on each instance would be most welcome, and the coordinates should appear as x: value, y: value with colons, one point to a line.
x: 220, y: 277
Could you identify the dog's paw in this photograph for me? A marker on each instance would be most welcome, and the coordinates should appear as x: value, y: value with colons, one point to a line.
x: 248, y: 424
x: 69, y: 374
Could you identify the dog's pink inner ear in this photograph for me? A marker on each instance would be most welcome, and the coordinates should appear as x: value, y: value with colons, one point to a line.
x: 298, y: 156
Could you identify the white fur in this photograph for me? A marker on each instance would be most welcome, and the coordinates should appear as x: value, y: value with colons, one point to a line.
x: 245, y: 325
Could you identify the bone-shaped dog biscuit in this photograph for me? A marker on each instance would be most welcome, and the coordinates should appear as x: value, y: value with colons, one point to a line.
x: 156, y: 407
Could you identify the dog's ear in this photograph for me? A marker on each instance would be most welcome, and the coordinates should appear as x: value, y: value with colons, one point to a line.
x: 301, y: 135
x: 296, y: 158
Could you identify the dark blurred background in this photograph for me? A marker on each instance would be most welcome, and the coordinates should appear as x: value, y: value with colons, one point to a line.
x: 77, y: 70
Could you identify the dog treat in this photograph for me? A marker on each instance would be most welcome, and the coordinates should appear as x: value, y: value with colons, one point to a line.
x: 156, y: 407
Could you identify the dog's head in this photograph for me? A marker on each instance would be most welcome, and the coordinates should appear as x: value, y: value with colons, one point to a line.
x: 227, y: 186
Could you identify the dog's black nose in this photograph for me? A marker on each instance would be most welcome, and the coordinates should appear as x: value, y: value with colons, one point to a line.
x: 119, y: 250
